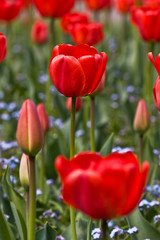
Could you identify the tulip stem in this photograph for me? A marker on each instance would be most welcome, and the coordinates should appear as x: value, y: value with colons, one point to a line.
x: 141, y: 147
x: 92, y: 109
x: 42, y: 175
x: 89, y: 229
x: 72, y: 152
x: 32, y: 199
x: 27, y: 207
x: 104, y: 230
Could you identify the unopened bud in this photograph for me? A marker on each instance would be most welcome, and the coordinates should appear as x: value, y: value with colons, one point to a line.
x: 24, y: 171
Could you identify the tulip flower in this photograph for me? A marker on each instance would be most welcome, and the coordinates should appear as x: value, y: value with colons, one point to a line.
x: 102, y: 187
x: 151, y: 3
x: 30, y: 135
x: 123, y: 6
x: 98, y: 4
x: 141, y: 119
x: 24, y: 171
x: 156, y: 93
x: 43, y: 117
x: 76, y: 70
x: 3, y: 47
x: 155, y: 62
x: 53, y: 8
x: 9, y: 10
x: 145, y: 18
x: 39, y: 33
x: 79, y: 103
x: 69, y: 19
x: 89, y: 33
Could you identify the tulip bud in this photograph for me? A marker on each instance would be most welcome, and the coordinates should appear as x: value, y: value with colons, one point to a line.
x: 79, y: 104
x: 141, y: 119
x: 30, y: 136
x: 39, y: 33
x: 3, y: 47
x: 156, y: 93
x: 43, y: 117
x: 24, y: 171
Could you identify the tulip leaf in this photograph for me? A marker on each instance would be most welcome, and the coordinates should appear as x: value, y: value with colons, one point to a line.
x: 107, y: 147
x: 145, y: 229
x: 12, y: 195
x: 46, y: 233
x: 5, y: 231
x: 21, y: 227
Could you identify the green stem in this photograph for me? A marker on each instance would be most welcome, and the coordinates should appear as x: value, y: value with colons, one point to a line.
x: 32, y: 199
x: 27, y: 207
x: 104, y: 230
x: 92, y: 109
x: 42, y: 175
x: 141, y: 148
x: 89, y: 225
x: 72, y: 152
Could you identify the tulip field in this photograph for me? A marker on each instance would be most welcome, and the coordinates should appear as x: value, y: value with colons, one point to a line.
x: 79, y: 119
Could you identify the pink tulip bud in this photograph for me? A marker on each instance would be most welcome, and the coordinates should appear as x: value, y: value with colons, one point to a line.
x: 141, y: 119
x: 30, y: 136
x: 43, y: 117
x: 79, y: 104
x: 24, y: 171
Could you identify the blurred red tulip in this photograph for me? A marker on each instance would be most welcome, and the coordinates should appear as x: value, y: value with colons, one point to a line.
x: 9, y: 10
x: 155, y: 62
x: 156, y: 93
x: 115, y: 182
x: 76, y: 70
x: 43, y: 117
x: 123, y: 6
x: 53, y: 8
x: 151, y: 3
x: 98, y: 4
x: 3, y: 47
x: 141, y: 119
x: 69, y: 19
x: 39, y: 33
x: 27, y: 3
x: 30, y: 136
x: 79, y: 104
x: 89, y: 33
x: 148, y: 21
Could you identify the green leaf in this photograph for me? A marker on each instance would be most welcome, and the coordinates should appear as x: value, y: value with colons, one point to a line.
x: 12, y: 195
x: 47, y: 233
x: 21, y: 227
x: 5, y: 231
x: 145, y: 229
x: 107, y: 146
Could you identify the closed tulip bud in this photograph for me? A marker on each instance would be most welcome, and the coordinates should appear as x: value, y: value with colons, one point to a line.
x: 156, y: 93
x: 39, y: 33
x: 3, y: 47
x: 79, y: 103
x: 30, y: 136
x: 141, y: 120
x: 43, y: 117
x: 24, y: 171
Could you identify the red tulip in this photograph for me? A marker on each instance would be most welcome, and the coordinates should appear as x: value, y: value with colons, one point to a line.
x: 123, y: 6
x: 53, y: 8
x: 39, y: 33
x: 27, y: 3
x: 100, y: 87
x: 43, y: 117
x: 156, y: 62
x: 69, y: 19
x: 3, y: 47
x: 9, y: 10
x: 156, y: 93
x: 89, y: 33
x: 102, y: 187
x: 76, y: 70
x: 148, y: 21
x: 151, y: 3
x: 141, y: 119
x: 98, y: 4
x: 30, y: 136
x: 79, y: 104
